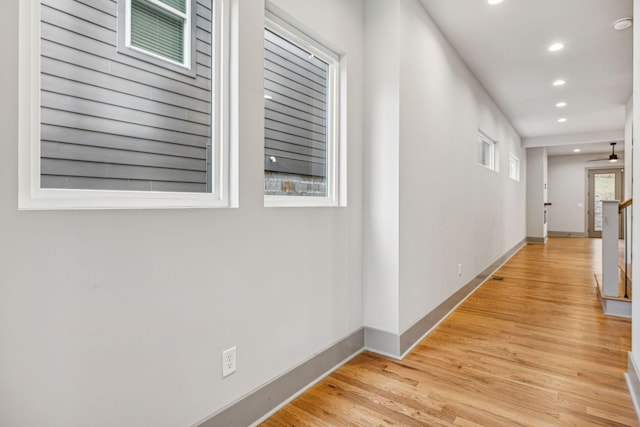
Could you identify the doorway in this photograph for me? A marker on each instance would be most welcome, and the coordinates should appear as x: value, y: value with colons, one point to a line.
x: 604, y: 184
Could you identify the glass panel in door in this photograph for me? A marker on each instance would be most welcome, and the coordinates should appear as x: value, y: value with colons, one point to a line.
x: 604, y: 188
x: 604, y: 184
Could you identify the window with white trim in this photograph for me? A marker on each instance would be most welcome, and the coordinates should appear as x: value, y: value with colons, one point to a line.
x: 487, y: 152
x: 103, y: 130
x: 161, y: 29
x: 514, y: 167
x: 302, y: 147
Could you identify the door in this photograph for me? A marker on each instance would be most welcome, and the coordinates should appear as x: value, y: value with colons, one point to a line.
x: 604, y: 184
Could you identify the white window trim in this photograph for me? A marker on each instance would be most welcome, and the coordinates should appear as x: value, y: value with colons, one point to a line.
x: 225, y: 157
x: 493, y: 160
x: 186, y: 42
x: 516, y: 160
x: 282, y: 24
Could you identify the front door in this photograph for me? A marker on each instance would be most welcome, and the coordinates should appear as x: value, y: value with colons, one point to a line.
x: 604, y: 184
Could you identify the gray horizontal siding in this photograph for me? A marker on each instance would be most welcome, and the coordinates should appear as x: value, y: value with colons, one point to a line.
x: 73, y: 120
x: 86, y: 107
x: 295, y: 116
x: 87, y: 153
x: 308, y: 152
x: 95, y: 16
x: 294, y: 166
x: 115, y: 122
x: 293, y: 97
x: 77, y: 136
x: 109, y: 7
x: 105, y: 170
x: 89, y: 72
x: 111, y: 97
x: 137, y: 70
x: 285, y: 138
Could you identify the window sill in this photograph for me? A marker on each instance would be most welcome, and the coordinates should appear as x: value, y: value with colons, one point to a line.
x: 300, y: 202
x: 53, y: 199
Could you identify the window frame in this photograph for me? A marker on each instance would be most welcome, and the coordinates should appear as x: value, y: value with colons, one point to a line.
x: 188, y: 42
x: 288, y: 28
x: 514, y: 167
x: 483, y: 139
x: 224, y: 192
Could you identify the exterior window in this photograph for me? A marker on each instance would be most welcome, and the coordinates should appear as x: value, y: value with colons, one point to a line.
x: 301, y: 107
x: 487, y: 155
x: 514, y: 167
x: 161, y: 28
x: 107, y: 130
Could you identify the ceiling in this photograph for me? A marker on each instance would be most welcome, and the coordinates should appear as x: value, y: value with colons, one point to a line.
x: 506, y: 47
x: 587, y: 148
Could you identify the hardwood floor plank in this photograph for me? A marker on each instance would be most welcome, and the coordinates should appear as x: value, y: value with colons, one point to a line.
x: 533, y: 349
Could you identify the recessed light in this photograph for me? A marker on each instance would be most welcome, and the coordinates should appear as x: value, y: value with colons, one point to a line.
x: 559, y: 82
x: 556, y: 47
x: 561, y: 104
x: 562, y: 119
x: 577, y: 150
x: 494, y: 1
x: 268, y: 97
x: 623, y: 24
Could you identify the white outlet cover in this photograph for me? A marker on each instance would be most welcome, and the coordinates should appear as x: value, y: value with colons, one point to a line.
x: 228, y: 362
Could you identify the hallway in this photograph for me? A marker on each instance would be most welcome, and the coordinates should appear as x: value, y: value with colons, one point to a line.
x: 533, y: 349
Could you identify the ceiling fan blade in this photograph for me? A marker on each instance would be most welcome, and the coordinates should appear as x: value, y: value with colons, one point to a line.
x: 604, y: 159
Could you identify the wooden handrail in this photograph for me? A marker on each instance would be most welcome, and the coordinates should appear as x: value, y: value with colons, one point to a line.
x: 625, y: 204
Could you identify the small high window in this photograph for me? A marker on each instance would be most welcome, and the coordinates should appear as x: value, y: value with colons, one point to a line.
x: 487, y: 155
x: 514, y: 167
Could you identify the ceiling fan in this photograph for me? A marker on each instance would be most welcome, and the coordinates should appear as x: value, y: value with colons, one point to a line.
x: 613, y: 157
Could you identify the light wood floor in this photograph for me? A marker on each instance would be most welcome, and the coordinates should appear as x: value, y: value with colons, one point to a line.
x: 531, y: 350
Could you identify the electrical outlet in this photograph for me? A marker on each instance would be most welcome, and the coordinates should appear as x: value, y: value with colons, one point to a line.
x: 460, y: 269
x: 228, y: 361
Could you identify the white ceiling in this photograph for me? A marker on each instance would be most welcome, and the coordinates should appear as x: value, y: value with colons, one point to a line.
x: 597, y: 148
x: 505, y: 46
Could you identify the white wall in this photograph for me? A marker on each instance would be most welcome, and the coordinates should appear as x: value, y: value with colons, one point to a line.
x: 567, y: 193
x: 118, y: 318
x: 635, y: 309
x: 567, y: 186
x: 382, y: 166
x: 449, y: 209
x: 536, y: 192
x: 628, y: 148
